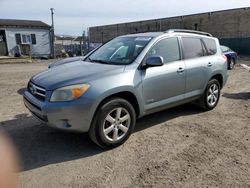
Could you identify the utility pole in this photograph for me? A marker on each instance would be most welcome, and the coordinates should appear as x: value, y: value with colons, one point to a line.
x: 88, y: 38
x: 82, y: 42
x: 52, y: 34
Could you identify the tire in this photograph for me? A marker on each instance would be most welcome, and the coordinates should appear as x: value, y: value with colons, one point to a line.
x: 231, y: 64
x: 211, y: 96
x: 113, y: 123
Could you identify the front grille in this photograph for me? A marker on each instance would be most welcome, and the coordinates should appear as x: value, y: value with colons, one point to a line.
x: 37, y: 91
x: 42, y: 118
x: 35, y: 106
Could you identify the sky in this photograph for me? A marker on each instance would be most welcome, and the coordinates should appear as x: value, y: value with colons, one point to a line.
x: 73, y: 16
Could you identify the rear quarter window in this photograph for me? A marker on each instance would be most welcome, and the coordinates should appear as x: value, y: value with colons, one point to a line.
x: 211, y: 46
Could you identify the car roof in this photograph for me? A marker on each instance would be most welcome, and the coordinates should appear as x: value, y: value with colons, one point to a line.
x: 157, y: 34
x: 148, y: 34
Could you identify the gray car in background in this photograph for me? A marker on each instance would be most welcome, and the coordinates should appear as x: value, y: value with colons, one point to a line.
x: 125, y: 79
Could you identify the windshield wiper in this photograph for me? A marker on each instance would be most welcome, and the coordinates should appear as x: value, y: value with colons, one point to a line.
x: 103, y: 62
x: 88, y: 59
x: 99, y: 61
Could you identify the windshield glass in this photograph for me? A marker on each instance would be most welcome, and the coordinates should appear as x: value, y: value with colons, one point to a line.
x: 120, y: 51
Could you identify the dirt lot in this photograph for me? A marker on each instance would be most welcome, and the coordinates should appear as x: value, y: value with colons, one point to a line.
x: 180, y: 147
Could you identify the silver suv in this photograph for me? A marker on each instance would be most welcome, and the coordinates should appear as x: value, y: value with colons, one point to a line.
x: 127, y: 78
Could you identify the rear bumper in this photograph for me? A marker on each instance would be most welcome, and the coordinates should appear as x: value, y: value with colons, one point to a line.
x: 70, y: 116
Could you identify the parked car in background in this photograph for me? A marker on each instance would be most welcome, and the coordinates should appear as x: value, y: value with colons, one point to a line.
x: 127, y: 78
x: 231, y: 56
x: 70, y: 60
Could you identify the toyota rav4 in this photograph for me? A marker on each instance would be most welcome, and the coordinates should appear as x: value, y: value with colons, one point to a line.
x: 125, y: 79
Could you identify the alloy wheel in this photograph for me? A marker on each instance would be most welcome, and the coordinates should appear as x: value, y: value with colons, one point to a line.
x: 116, y: 124
x: 213, y: 94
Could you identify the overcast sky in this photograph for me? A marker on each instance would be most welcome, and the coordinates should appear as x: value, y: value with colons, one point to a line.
x: 72, y: 16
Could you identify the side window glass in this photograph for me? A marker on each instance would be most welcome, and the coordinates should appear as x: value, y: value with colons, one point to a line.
x: 211, y: 46
x: 167, y: 48
x: 192, y: 47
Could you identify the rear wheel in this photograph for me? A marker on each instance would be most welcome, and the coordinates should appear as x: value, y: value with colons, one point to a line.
x: 113, y: 123
x: 211, y: 96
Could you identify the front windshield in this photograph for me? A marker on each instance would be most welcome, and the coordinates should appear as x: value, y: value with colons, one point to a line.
x: 120, y: 51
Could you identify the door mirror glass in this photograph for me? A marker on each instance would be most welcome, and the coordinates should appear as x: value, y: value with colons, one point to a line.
x: 154, y: 61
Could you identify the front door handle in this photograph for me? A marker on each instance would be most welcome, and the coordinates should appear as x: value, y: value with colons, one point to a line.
x: 180, y: 70
x: 209, y: 64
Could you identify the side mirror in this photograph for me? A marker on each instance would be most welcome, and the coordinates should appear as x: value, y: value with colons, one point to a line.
x: 154, y: 61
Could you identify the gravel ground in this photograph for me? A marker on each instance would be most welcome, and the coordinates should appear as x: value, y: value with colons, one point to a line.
x: 180, y: 147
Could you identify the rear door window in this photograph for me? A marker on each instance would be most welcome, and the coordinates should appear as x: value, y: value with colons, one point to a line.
x: 192, y: 47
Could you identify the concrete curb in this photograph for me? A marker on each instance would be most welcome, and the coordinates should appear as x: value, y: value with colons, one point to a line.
x: 15, y: 60
x: 245, y: 67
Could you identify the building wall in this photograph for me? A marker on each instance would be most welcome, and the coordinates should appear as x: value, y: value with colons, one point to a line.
x: 66, y: 42
x: 232, y: 27
x: 40, y: 49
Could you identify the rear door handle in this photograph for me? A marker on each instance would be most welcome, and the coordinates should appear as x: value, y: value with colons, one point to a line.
x: 180, y: 70
x: 209, y: 64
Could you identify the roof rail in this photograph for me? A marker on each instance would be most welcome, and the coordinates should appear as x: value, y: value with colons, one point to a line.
x: 188, y: 31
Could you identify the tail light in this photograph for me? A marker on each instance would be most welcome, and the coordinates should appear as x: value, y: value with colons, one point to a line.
x: 225, y: 57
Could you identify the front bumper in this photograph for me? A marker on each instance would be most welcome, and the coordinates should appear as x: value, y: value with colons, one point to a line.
x: 71, y: 116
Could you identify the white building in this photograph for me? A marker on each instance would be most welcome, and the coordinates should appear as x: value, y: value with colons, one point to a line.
x: 24, y: 37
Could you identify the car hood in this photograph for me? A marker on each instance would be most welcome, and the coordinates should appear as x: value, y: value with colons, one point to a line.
x: 66, y: 60
x: 74, y: 73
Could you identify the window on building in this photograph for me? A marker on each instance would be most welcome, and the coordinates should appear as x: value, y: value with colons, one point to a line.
x: 33, y: 38
x: 211, y: 46
x: 25, y: 38
x: 193, y: 47
x: 196, y: 26
x: 167, y: 48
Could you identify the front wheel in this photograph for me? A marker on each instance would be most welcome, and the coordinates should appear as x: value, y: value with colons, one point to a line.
x: 113, y: 123
x: 211, y: 96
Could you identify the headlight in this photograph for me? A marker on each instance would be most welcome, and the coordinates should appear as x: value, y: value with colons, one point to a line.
x: 69, y: 93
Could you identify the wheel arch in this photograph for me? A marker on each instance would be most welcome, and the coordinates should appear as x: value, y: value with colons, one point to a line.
x: 94, y: 130
x: 218, y: 77
x: 126, y: 94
